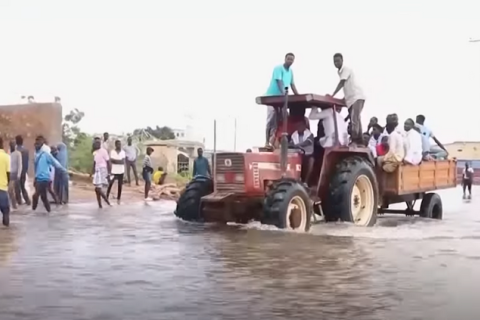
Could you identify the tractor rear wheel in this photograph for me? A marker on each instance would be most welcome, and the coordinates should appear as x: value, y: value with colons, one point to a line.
x: 353, y: 193
x: 431, y: 206
x: 188, y: 206
x: 288, y: 206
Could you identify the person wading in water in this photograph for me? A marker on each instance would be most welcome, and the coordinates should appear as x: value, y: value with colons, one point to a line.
x: 101, y: 171
x: 20, y: 189
x: 147, y: 171
x: 43, y: 161
x: 117, y: 157
x: 4, y: 181
x: 467, y: 181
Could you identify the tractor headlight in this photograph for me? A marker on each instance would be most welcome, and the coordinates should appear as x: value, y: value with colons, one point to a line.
x: 239, y: 177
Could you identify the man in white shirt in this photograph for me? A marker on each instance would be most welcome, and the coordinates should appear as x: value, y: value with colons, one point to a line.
x: 117, y: 157
x: 467, y: 180
x: 426, y: 133
x: 354, y: 97
x: 327, y: 117
x: 396, y: 152
x: 412, y: 143
x: 302, y: 139
x: 106, y: 143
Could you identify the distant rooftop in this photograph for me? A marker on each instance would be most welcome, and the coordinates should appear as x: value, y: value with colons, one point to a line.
x: 175, y: 143
x: 462, y: 142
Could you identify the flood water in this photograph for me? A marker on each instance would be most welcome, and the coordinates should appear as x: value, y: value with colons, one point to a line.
x: 139, y: 262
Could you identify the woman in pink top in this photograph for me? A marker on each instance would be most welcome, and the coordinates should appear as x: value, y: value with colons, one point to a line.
x: 101, y: 171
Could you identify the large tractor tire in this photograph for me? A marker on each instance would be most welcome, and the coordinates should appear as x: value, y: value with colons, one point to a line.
x: 431, y: 206
x: 188, y: 206
x: 353, y: 193
x: 288, y: 206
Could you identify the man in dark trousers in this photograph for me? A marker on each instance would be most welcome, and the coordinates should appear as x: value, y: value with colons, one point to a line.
x: 467, y: 181
x: 20, y: 189
x: 131, y: 154
x: 4, y: 181
x: 354, y: 97
x: 42, y: 162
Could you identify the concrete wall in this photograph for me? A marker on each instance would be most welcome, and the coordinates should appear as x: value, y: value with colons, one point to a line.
x: 165, y: 156
x: 30, y: 120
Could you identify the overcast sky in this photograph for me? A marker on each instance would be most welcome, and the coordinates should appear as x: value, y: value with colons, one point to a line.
x: 129, y: 64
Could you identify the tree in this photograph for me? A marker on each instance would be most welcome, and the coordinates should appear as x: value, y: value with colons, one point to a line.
x: 162, y: 133
x: 71, y: 132
x: 79, y: 143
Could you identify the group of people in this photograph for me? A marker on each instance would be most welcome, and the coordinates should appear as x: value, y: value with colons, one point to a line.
x: 110, y: 161
x: 50, y: 175
x: 391, y: 145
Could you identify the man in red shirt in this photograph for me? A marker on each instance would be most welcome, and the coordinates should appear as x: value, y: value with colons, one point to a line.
x: 382, y: 147
x: 295, y: 116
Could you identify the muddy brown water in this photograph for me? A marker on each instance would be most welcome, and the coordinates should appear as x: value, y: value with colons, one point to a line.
x: 138, y: 262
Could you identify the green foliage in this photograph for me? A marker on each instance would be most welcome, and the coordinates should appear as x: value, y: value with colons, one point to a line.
x: 183, y: 178
x: 161, y: 133
x: 79, y: 143
x: 80, y: 155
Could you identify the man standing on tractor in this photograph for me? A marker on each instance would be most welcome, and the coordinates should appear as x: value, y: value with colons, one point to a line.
x: 354, y: 97
x: 282, y: 77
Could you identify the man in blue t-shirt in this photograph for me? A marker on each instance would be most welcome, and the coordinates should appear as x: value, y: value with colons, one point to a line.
x: 282, y: 78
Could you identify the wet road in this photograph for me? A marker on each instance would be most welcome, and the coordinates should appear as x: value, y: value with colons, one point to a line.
x: 141, y: 263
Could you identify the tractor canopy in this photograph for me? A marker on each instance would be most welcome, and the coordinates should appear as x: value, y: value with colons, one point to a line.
x: 301, y: 101
x: 297, y: 104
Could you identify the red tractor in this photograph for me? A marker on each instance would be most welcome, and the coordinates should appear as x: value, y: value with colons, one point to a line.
x: 266, y: 186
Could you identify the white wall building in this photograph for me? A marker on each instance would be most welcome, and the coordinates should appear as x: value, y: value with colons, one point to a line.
x: 188, y: 132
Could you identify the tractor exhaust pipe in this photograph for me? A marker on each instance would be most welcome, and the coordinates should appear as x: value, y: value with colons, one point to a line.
x: 214, y: 156
x: 284, y: 139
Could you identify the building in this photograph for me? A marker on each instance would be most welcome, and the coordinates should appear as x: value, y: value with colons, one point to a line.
x: 30, y: 120
x: 465, y: 151
x: 174, y: 156
x: 189, y: 132
x: 180, y: 134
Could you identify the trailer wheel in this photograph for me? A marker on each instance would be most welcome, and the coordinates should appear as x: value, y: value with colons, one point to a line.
x: 431, y: 206
x: 288, y: 206
x: 188, y: 205
x: 353, y: 193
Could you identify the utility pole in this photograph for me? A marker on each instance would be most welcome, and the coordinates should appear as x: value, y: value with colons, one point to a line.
x: 235, y: 136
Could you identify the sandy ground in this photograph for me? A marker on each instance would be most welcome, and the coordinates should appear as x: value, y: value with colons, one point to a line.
x: 83, y: 192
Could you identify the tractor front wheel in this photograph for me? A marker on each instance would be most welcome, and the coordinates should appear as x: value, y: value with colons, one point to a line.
x: 189, y: 204
x: 288, y: 206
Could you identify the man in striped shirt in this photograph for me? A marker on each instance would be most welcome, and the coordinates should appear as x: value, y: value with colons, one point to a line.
x: 147, y: 172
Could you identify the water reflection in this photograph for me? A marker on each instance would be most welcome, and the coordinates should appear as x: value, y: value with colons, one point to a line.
x: 138, y: 261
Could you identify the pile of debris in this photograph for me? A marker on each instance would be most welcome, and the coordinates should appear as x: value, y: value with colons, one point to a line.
x: 169, y: 191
